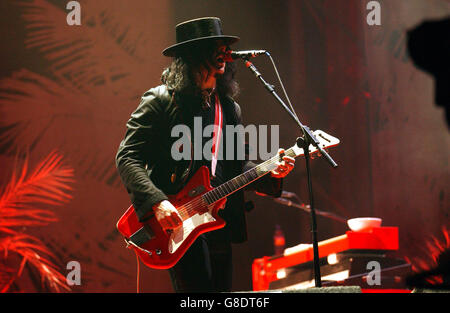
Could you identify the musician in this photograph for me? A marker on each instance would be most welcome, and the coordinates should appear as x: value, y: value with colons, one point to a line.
x: 197, y: 79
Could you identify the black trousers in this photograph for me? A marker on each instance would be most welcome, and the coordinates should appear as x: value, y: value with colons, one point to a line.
x: 206, y: 266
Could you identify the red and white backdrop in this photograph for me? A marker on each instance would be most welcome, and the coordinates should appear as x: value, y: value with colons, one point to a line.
x: 67, y: 91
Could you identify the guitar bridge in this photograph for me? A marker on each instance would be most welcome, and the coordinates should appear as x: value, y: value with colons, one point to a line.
x: 141, y: 236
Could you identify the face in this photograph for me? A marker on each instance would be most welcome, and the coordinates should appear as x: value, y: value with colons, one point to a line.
x: 216, y: 63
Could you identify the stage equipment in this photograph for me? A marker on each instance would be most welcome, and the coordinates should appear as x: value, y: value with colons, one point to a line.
x: 353, y: 259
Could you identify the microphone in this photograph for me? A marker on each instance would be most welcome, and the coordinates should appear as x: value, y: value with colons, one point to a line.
x: 245, y: 54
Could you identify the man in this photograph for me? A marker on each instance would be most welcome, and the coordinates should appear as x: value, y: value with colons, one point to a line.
x: 198, y: 83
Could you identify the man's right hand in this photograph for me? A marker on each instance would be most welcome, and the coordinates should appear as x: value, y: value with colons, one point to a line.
x: 167, y: 215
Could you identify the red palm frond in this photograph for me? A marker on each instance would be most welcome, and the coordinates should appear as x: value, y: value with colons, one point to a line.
x: 33, y: 252
x: 48, y: 184
x: 20, y: 205
x: 429, y: 259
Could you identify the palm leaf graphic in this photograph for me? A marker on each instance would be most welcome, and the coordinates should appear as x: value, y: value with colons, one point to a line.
x: 82, y: 55
x: 100, y: 55
x: 431, y: 251
x: 92, y: 71
x: 33, y: 252
x: 76, y: 96
x: 21, y: 204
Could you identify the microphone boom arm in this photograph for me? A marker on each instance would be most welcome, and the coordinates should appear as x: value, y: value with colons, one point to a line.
x: 308, y: 136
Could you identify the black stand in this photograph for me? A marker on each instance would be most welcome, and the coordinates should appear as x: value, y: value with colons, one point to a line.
x: 307, y: 140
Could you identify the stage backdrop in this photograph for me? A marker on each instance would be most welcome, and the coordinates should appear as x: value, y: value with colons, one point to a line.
x: 69, y: 90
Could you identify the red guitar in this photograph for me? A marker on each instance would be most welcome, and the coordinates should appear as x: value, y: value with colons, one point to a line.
x: 198, y: 204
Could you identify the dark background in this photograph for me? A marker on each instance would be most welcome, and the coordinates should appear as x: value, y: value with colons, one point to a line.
x: 72, y: 88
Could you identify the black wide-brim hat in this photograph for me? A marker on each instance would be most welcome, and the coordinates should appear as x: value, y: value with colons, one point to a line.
x: 193, y: 32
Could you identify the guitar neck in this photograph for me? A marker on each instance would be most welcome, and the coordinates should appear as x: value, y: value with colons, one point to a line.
x: 240, y: 181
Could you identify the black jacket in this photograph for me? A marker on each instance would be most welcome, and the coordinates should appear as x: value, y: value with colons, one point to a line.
x: 148, y: 171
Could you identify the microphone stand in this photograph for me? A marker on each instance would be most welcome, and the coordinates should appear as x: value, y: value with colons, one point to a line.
x: 305, y: 141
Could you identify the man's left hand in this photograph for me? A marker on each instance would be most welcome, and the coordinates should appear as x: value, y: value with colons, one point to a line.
x: 284, y: 167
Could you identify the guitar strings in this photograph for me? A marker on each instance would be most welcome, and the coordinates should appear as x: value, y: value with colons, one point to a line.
x: 191, y: 206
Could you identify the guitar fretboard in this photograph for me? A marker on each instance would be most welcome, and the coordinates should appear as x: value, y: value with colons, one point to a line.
x: 233, y: 185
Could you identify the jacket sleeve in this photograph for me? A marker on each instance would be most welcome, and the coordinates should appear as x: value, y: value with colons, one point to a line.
x: 266, y: 185
x: 138, y: 152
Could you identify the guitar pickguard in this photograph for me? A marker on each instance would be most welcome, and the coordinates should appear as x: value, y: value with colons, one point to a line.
x: 177, y: 237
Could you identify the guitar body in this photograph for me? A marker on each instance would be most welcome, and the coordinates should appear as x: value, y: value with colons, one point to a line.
x: 198, y: 205
x: 161, y: 249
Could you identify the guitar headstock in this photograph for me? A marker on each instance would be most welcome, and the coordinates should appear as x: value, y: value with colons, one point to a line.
x: 325, y: 141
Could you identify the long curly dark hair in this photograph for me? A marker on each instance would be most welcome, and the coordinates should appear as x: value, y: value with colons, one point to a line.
x: 183, y: 73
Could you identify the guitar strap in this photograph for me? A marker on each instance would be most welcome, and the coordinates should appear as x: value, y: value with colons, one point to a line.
x: 218, y: 121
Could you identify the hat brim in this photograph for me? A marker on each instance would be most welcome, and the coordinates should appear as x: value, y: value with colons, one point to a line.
x: 174, y: 50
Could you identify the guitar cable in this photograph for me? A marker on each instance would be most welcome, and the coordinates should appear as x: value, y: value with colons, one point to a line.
x: 137, y: 272
x: 281, y: 84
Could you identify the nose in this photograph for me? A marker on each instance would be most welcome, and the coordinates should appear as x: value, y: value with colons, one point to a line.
x: 227, y: 56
